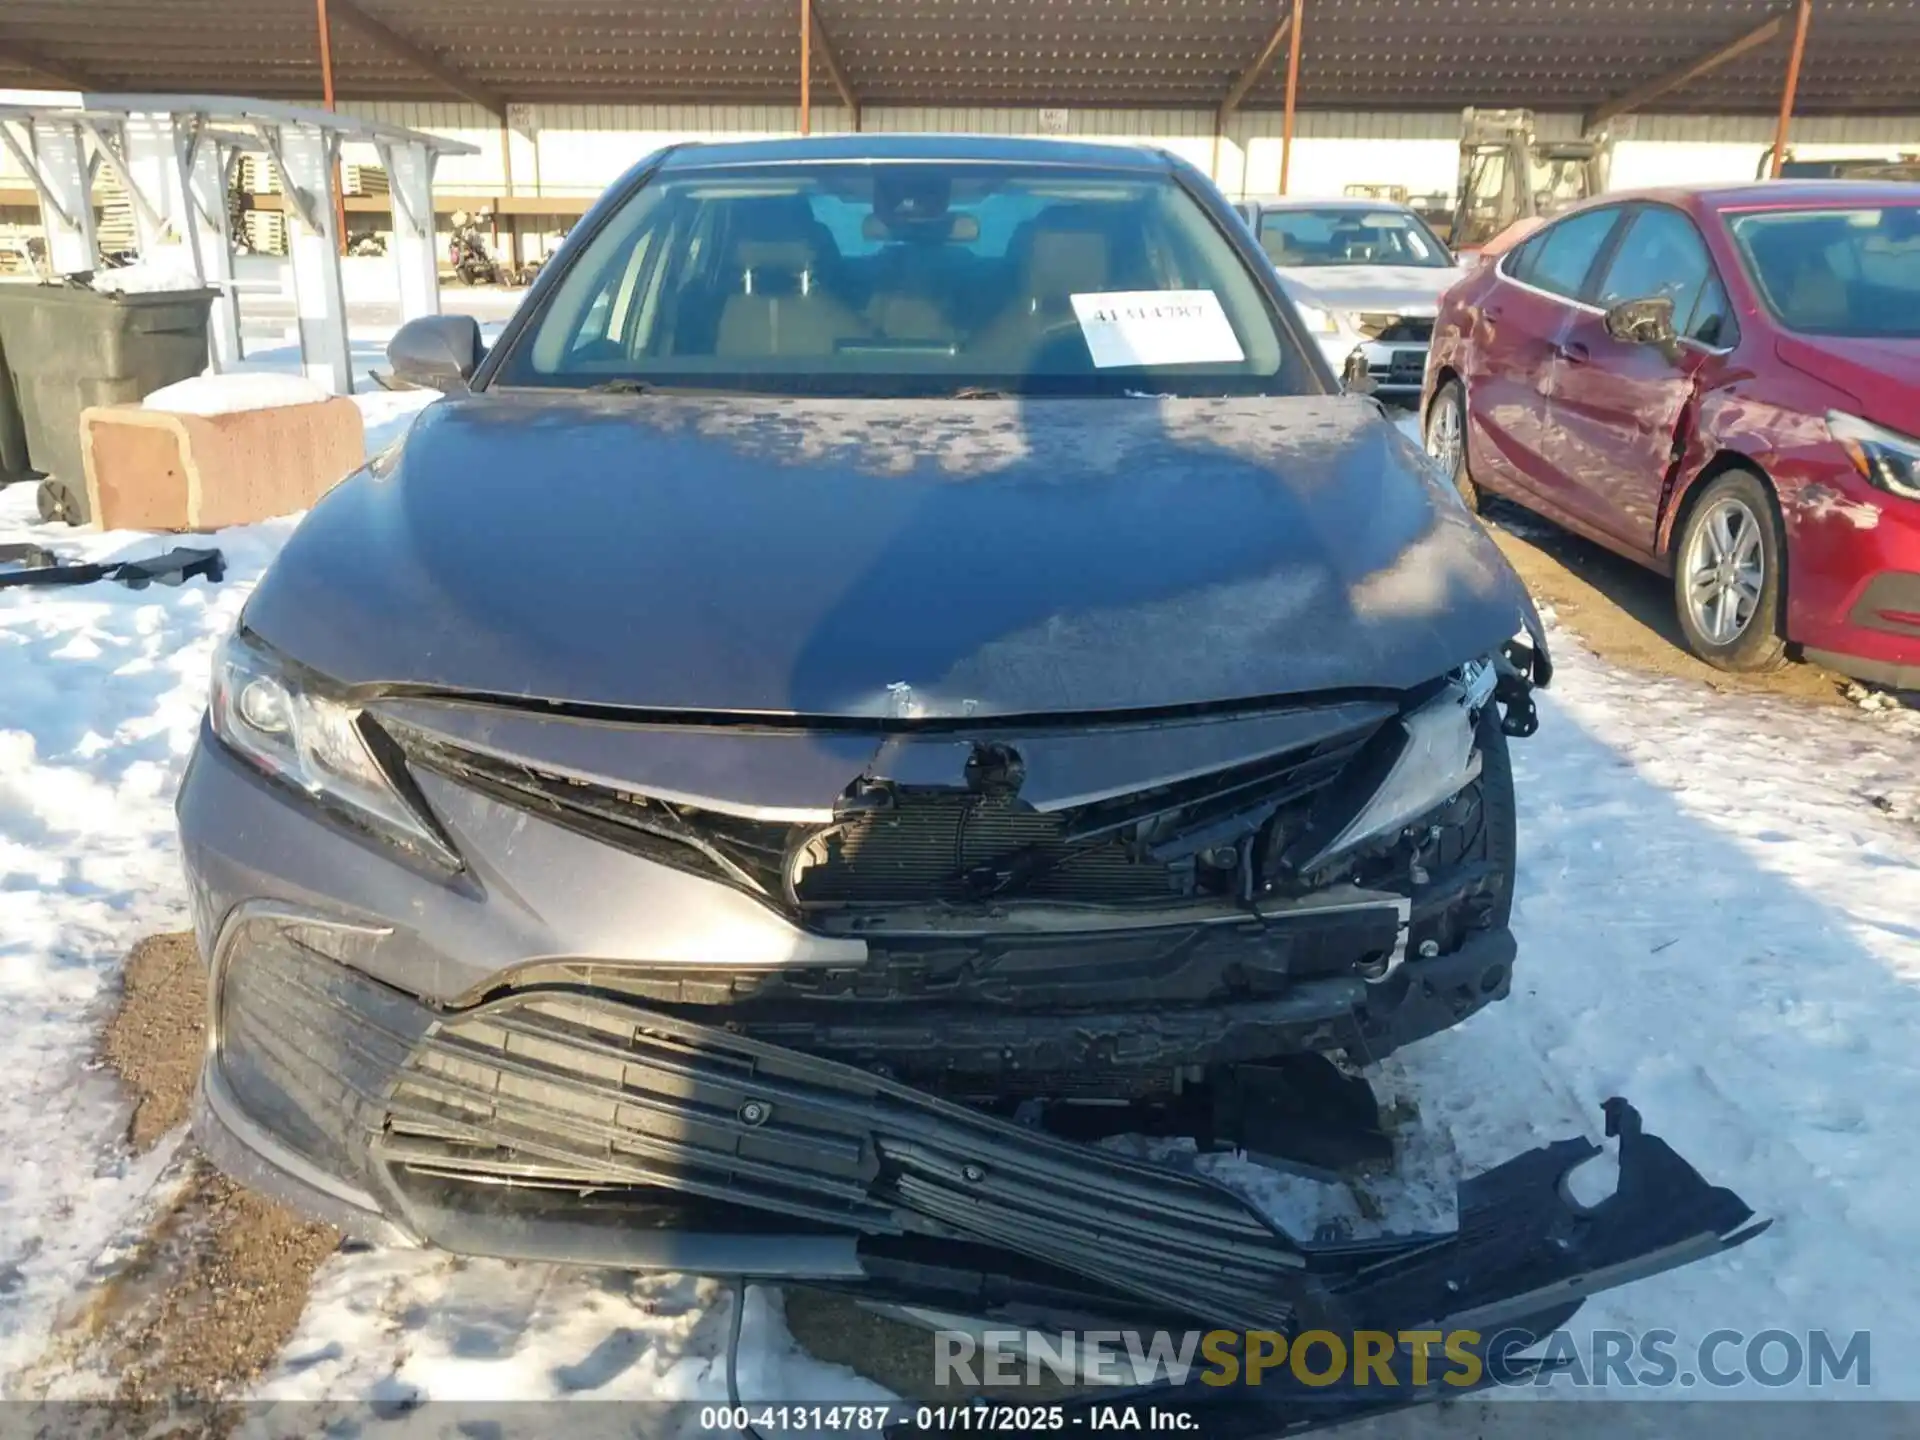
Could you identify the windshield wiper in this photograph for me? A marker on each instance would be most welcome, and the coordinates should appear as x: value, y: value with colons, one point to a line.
x: 625, y: 385
x: 979, y: 392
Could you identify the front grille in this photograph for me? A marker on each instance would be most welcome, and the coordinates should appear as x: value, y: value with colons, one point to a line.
x: 1392, y: 329
x: 1403, y: 367
x: 899, y: 846
x: 956, y: 846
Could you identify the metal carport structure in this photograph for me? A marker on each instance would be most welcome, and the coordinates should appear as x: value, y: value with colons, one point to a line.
x: 1604, y: 58
x: 172, y: 154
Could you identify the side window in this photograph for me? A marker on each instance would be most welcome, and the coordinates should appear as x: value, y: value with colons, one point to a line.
x: 1712, y: 322
x: 1568, y: 250
x: 1660, y: 255
x: 1519, y: 263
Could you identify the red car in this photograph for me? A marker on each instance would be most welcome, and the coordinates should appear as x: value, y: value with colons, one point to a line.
x: 1723, y: 384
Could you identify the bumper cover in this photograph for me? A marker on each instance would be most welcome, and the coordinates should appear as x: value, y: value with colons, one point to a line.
x: 557, y: 1123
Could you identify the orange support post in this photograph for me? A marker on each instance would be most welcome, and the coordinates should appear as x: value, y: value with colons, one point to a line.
x: 1800, y: 22
x: 326, y: 98
x: 806, y: 67
x: 1293, y: 85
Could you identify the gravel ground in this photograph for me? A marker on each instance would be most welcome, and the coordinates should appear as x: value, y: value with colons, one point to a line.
x: 204, y: 1301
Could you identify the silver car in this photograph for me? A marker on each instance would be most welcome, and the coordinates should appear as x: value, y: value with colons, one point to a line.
x: 1366, y: 279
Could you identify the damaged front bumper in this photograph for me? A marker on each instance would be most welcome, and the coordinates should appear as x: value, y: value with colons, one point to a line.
x: 554, y: 1122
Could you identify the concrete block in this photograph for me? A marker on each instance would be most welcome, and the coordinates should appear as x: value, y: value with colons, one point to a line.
x: 156, y: 470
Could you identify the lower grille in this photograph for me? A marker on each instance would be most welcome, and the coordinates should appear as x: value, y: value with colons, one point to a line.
x: 548, y: 1087
x: 308, y: 1046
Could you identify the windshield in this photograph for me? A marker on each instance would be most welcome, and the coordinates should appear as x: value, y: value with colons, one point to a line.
x: 1348, y: 236
x: 855, y: 279
x: 1837, y: 272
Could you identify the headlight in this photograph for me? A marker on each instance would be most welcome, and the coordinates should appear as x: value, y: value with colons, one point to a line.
x: 1318, y: 319
x: 1438, y: 757
x: 1886, y: 459
x: 272, y: 718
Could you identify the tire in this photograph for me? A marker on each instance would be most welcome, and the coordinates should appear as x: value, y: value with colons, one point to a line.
x: 55, y: 501
x: 1729, y: 575
x: 1445, y: 437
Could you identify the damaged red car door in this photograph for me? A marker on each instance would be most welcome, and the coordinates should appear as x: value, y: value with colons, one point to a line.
x: 1623, y: 404
x: 1518, y: 332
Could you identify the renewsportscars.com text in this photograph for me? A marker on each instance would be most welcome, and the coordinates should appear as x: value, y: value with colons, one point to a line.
x: 1604, y: 1359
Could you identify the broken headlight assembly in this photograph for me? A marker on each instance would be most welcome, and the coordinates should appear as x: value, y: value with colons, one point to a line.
x: 1430, y: 755
x: 275, y: 718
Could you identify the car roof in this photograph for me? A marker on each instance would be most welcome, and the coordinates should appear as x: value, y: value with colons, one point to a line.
x: 1338, y: 202
x: 1772, y: 194
x: 863, y: 147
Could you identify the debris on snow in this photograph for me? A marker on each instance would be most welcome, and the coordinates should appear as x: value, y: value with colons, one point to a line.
x: 1874, y: 702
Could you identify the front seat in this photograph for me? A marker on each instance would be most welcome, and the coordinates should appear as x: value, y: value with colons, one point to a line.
x: 1060, y: 258
x: 777, y: 308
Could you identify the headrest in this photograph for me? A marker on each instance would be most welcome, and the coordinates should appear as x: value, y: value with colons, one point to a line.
x: 1060, y: 262
x: 794, y: 255
x: 773, y: 245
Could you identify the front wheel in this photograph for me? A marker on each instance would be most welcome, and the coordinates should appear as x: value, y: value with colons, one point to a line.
x: 1729, y: 576
x: 1446, y: 441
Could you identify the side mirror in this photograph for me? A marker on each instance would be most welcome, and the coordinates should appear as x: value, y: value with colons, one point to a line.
x: 1643, y: 322
x: 436, y: 352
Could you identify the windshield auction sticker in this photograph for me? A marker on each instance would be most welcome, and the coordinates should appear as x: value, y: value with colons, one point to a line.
x: 1156, y: 327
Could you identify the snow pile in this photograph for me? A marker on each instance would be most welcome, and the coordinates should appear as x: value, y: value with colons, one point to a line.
x: 146, y: 278
x: 389, y: 1328
x: 230, y: 394
x: 101, y: 693
x: 1713, y: 924
x: 101, y: 690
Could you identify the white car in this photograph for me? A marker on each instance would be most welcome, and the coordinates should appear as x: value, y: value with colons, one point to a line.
x: 1366, y: 277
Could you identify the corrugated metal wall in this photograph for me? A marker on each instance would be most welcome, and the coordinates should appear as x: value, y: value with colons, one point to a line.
x: 575, y: 150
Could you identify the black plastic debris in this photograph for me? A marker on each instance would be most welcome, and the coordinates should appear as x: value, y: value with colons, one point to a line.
x: 31, y: 565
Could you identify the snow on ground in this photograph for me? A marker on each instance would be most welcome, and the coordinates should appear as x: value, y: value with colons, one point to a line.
x: 387, y: 1329
x: 101, y: 692
x: 1713, y: 923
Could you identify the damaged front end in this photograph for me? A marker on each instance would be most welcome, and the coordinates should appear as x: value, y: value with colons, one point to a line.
x: 1004, y: 945
x: 1105, y: 913
x: 558, y: 1122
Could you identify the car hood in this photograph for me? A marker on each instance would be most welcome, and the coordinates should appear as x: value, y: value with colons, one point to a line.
x: 1401, y: 289
x: 890, y: 559
x: 1882, y: 375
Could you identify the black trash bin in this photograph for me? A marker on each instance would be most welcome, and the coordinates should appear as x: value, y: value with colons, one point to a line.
x: 65, y: 347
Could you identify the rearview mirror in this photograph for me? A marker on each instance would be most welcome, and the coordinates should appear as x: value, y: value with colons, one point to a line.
x: 1643, y: 322
x: 436, y: 352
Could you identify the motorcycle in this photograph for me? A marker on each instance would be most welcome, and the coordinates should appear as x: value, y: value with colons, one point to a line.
x: 468, y: 254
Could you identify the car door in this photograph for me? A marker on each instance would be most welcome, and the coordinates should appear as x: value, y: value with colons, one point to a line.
x: 1618, y: 406
x: 1517, y: 332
